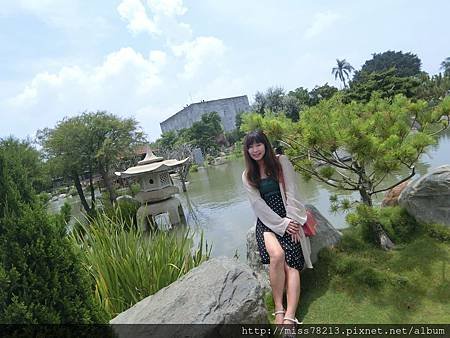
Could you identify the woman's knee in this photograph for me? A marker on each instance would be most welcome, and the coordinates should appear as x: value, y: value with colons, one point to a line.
x: 274, y: 249
x: 277, y: 256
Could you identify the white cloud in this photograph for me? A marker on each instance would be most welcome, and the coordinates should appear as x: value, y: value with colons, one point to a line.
x: 202, y: 55
x: 133, y: 11
x: 149, y: 87
x: 124, y: 82
x: 198, y: 54
x: 169, y: 8
x: 162, y: 21
x: 321, y: 22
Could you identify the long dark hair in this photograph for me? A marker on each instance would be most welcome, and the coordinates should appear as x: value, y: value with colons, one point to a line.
x: 271, y: 163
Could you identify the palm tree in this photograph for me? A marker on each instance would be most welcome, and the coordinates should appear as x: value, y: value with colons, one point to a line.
x: 342, y: 70
x: 445, y: 66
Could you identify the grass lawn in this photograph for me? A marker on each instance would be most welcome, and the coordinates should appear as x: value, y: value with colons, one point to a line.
x: 356, y: 283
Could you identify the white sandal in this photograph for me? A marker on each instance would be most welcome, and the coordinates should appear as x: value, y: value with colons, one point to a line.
x: 293, y: 320
x: 279, y: 312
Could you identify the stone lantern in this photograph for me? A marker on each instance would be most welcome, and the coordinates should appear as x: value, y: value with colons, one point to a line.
x: 157, y: 189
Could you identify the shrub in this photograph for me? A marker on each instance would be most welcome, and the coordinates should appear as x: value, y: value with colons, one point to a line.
x: 41, y: 278
x: 193, y: 168
x: 73, y: 191
x: 65, y: 211
x: 365, y: 219
x: 351, y: 241
x: 399, y: 225
x: 438, y: 231
x: 135, y: 188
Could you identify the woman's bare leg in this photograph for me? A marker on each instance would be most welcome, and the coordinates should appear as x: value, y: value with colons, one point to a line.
x: 292, y: 291
x: 276, y: 271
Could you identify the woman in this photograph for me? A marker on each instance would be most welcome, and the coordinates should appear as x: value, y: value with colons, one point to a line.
x: 270, y: 184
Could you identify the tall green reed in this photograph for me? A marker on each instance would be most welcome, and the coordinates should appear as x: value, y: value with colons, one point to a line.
x: 129, y: 265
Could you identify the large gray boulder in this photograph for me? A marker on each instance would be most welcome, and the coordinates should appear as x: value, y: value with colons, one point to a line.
x: 326, y: 236
x: 428, y: 198
x: 219, y: 291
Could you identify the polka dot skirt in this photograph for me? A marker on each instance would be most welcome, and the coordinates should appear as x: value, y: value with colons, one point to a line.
x: 293, y: 251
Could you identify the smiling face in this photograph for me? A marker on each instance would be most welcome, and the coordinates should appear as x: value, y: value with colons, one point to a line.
x: 257, y: 151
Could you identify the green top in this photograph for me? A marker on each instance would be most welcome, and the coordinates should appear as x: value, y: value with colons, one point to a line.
x: 268, y: 187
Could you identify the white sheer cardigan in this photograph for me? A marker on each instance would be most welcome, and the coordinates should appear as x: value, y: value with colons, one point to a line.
x: 295, y: 210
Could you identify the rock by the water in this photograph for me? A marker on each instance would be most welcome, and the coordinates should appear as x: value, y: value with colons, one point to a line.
x: 391, y: 197
x: 326, y: 236
x: 428, y: 198
x: 254, y: 261
x: 219, y: 291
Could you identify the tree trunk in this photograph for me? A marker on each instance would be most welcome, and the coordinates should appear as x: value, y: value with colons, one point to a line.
x: 91, y: 186
x: 378, y: 231
x: 182, y: 172
x: 365, y: 197
x: 76, y: 180
x: 183, y: 184
x: 109, y: 187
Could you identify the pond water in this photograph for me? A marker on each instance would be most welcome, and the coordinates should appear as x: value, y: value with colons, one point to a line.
x: 216, y: 202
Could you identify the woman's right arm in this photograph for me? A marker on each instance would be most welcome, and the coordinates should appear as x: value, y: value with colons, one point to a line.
x: 269, y: 217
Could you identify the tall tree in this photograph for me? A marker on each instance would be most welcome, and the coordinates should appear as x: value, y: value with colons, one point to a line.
x: 111, y: 140
x: 91, y: 143
x: 205, y: 133
x: 405, y: 64
x: 385, y: 83
x: 67, y: 149
x: 342, y: 70
x: 445, y: 66
x: 271, y: 99
x: 302, y: 96
x: 433, y: 88
x: 42, y: 280
x: 320, y: 93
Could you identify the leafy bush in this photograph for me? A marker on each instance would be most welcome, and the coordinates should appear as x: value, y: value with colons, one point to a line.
x: 193, y: 168
x: 41, y: 278
x: 65, y: 211
x: 396, y: 221
x: 438, y: 231
x: 128, y: 265
x: 365, y: 219
x: 135, y: 188
x: 43, y: 198
x: 351, y: 241
x: 401, y: 226
x: 72, y: 191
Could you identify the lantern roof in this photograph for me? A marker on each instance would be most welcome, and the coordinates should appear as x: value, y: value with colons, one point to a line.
x: 151, y: 163
x: 150, y: 158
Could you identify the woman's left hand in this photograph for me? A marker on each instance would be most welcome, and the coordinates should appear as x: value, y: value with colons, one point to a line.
x: 295, y: 238
x: 295, y: 235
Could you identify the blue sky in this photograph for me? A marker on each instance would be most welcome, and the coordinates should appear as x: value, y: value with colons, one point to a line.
x: 149, y: 58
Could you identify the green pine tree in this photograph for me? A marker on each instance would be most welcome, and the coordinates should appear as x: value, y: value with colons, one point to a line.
x: 41, y: 277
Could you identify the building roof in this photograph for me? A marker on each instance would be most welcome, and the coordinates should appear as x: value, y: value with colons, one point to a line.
x: 202, y: 102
